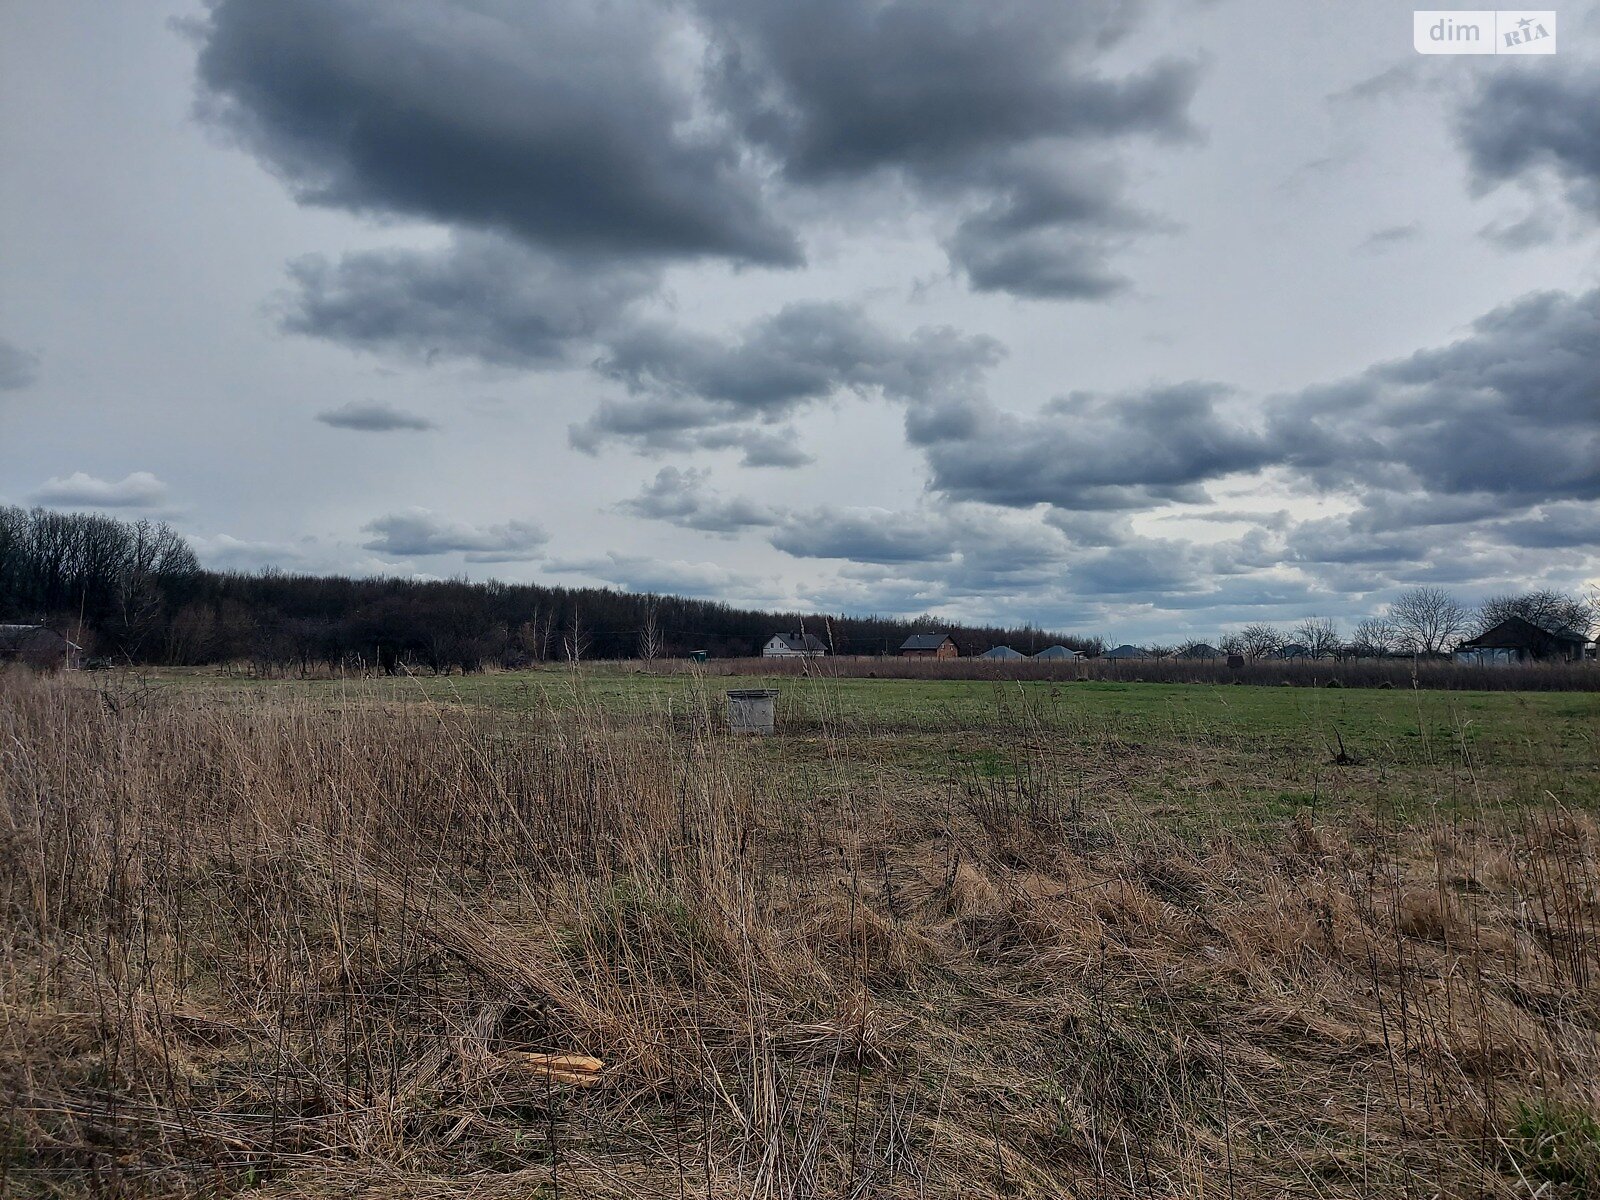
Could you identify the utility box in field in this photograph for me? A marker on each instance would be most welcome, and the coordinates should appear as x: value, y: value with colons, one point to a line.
x: 752, y: 710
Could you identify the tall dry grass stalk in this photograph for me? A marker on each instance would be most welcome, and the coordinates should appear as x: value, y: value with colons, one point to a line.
x: 298, y: 947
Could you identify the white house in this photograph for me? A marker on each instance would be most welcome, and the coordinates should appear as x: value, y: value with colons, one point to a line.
x: 793, y: 645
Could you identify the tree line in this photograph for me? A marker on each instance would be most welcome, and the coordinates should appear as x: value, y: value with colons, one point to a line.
x: 1424, y: 621
x: 135, y: 592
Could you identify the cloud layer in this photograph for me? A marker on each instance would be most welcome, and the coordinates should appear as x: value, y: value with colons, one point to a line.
x: 140, y: 489
x: 420, y: 533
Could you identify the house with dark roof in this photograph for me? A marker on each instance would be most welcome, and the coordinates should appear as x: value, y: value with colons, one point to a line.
x: 1203, y: 650
x: 37, y: 646
x: 1126, y: 651
x: 1002, y: 654
x: 929, y: 645
x: 1058, y: 654
x: 1518, y: 640
x: 794, y: 645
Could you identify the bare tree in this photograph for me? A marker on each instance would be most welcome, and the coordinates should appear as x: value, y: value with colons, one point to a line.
x: 1260, y: 641
x: 1319, y: 635
x: 1545, y: 607
x: 1374, y: 637
x: 650, y: 633
x: 577, y: 640
x: 1427, y: 619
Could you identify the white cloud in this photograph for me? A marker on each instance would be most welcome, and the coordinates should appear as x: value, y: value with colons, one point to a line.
x: 138, y: 490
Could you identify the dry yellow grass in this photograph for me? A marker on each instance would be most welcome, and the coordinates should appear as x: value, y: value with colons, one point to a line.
x: 293, y: 947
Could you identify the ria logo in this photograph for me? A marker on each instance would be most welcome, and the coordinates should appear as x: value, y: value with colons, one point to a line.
x: 1528, y: 30
x: 1484, y: 31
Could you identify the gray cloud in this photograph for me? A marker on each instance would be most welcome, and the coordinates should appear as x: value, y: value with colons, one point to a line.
x: 140, y: 489
x: 640, y: 573
x: 692, y: 389
x: 484, y: 298
x: 979, y: 107
x: 1049, y: 231
x: 1535, y: 229
x: 1086, y: 451
x: 564, y: 123
x: 1524, y: 121
x: 682, y: 498
x: 417, y: 532
x: 18, y: 368
x: 1389, y: 237
x: 868, y: 535
x: 1556, y: 526
x: 588, y: 128
x: 1511, y: 410
x: 374, y: 416
x: 804, y: 352
x: 780, y: 449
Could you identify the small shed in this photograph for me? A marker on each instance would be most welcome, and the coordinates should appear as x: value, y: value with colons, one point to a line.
x: 37, y: 646
x: 794, y: 645
x: 1126, y: 651
x: 1517, y: 639
x: 929, y: 645
x: 1002, y: 654
x: 1058, y: 654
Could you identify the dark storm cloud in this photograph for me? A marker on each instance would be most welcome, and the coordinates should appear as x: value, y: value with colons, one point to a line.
x: 1512, y: 410
x: 694, y: 389
x: 563, y: 122
x: 373, y: 416
x: 18, y: 368
x: 682, y: 498
x: 1086, y: 451
x: 842, y: 87
x: 600, y: 129
x: 1522, y: 121
x: 417, y: 532
x: 479, y: 297
x: 983, y: 107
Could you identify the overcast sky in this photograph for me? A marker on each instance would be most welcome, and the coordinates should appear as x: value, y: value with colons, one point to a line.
x: 1140, y: 319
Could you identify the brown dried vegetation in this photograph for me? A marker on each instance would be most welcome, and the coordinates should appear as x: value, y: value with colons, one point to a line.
x: 305, y: 950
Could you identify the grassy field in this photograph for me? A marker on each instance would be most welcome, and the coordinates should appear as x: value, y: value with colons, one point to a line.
x: 1233, y: 755
x: 305, y: 938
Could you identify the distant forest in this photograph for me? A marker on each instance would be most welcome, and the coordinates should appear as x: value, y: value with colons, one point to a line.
x: 135, y: 592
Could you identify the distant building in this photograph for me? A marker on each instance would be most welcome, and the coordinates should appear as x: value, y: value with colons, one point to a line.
x: 1200, y: 650
x: 1002, y: 654
x: 929, y: 645
x: 1517, y: 639
x: 1295, y: 650
x: 1126, y: 651
x: 1057, y: 654
x: 794, y: 645
x: 37, y: 646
